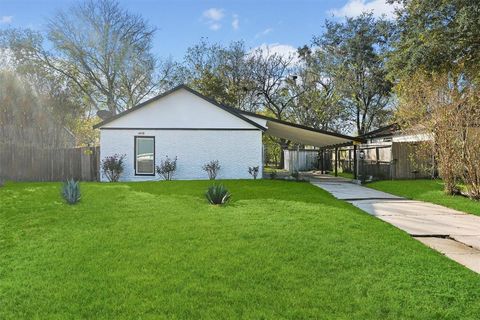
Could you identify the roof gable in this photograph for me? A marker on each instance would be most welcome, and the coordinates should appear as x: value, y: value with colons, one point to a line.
x: 181, y: 107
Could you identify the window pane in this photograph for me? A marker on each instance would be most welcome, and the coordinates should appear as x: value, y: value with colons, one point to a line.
x: 145, y: 156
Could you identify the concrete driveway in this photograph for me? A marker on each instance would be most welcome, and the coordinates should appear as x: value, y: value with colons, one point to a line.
x: 453, y: 233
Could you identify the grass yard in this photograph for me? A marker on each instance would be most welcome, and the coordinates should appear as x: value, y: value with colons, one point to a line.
x: 348, y: 175
x: 279, y: 250
x: 272, y: 169
x: 427, y: 190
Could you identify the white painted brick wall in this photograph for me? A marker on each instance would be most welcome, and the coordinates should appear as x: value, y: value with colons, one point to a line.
x: 235, y: 150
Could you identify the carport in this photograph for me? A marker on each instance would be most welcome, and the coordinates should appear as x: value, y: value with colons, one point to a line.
x: 307, y: 136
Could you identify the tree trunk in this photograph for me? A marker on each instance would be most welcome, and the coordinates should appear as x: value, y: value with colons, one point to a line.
x: 111, y: 105
x: 450, y: 187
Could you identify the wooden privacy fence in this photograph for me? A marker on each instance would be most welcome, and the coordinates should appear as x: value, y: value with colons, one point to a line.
x: 408, y: 163
x: 30, y: 163
x: 394, y: 160
x: 300, y: 160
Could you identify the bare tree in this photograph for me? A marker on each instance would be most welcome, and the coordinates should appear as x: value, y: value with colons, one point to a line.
x: 320, y: 104
x: 101, y: 48
x: 273, y: 77
x: 444, y: 108
x: 107, y: 47
x: 470, y: 146
x: 274, y: 86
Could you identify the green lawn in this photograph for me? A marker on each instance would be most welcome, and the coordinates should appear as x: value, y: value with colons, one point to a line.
x: 427, y: 190
x: 348, y: 175
x: 157, y: 250
x: 270, y: 170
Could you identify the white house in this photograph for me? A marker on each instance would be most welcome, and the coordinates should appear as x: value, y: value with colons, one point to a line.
x: 184, y: 124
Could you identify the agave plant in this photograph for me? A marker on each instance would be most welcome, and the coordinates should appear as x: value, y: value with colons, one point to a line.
x: 71, y: 191
x: 217, y: 194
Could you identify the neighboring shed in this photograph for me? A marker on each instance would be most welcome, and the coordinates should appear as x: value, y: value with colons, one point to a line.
x: 387, y: 153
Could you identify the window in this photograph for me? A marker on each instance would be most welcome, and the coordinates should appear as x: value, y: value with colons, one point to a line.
x: 145, y: 156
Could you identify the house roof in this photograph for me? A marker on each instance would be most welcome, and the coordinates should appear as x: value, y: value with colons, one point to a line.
x: 231, y: 110
x: 382, y: 132
x: 278, y: 128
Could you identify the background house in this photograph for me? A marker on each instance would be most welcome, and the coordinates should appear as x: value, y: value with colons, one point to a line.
x: 385, y: 153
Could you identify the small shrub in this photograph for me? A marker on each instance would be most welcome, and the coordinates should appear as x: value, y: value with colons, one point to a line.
x: 112, y: 167
x: 217, y: 194
x: 167, y: 168
x: 71, y: 191
x: 296, y: 175
x: 254, y: 171
x: 273, y: 174
x: 212, y: 169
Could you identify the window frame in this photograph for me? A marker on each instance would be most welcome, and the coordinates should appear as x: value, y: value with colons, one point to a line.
x: 135, y: 156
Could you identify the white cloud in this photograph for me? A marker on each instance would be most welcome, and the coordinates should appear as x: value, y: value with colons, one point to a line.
x: 6, y: 19
x: 284, y: 50
x: 355, y: 8
x: 235, y: 22
x: 213, y: 16
x: 264, y: 33
x: 215, y: 26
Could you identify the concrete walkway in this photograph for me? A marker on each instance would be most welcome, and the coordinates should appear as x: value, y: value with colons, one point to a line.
x: 453, y: 233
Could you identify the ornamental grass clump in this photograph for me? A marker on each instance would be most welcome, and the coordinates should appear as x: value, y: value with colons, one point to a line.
x: 217, y: 194
x: 71, y: 191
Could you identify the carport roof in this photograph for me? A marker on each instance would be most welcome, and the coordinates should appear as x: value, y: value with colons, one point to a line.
x: 302, y: 134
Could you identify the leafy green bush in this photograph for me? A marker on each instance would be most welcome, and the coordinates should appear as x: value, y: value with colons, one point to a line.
x: 217, y: 194
x: 71, y: 191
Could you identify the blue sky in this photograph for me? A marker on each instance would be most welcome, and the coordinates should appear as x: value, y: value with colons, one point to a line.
x: 282, y: 25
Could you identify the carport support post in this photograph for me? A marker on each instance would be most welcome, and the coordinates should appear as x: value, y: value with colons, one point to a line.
x: 355, y: 162
x: 323, y: 161
x: 336, y: 161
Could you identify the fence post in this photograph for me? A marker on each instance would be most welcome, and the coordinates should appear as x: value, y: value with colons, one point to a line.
x: 336, y: 161
x: 323, y: 161
x: 355, y: 173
